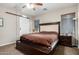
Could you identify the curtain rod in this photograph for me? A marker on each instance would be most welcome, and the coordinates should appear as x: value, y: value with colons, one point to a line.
x: 16, y: 15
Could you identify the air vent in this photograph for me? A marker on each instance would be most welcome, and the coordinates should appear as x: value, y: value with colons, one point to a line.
x: 44, y: 9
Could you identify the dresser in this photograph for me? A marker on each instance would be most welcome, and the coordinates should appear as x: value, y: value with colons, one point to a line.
x: 65, y: 40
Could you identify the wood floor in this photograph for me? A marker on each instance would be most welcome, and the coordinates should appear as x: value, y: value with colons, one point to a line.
x: 60, y: 50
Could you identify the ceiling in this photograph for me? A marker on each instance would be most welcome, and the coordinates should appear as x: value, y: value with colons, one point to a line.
x: 45, y: 8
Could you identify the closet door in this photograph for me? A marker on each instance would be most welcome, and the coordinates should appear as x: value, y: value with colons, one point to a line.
x: 24, y: 26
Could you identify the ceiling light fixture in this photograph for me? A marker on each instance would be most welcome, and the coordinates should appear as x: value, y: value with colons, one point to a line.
x: 34, y: 6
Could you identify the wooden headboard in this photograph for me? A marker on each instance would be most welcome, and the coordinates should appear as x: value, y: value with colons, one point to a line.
x: 52, y: 23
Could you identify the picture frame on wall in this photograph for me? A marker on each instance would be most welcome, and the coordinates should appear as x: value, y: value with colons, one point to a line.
x: 1, y: 22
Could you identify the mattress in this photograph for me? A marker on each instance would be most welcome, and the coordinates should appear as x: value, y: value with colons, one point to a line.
x: 42, y: 38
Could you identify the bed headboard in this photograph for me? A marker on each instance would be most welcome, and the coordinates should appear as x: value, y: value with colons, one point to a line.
x: 53, y: 26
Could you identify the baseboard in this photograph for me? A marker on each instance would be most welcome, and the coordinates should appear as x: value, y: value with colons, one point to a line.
x: 8, y: 43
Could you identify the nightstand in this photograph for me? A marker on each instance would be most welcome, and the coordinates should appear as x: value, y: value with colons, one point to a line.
x: 65, y: 40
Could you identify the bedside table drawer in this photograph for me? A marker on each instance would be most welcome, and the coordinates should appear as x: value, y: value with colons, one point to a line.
x: 65, y: 40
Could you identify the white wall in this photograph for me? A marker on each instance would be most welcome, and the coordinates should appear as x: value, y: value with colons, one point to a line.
x: 78, y: 23
x: 54, y: 16
x: 8, y: 31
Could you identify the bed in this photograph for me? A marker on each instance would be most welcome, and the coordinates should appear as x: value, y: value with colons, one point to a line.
x: 42, y: 42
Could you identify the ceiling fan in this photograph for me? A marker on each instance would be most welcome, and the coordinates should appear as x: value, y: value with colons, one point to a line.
x: 33, y: 6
